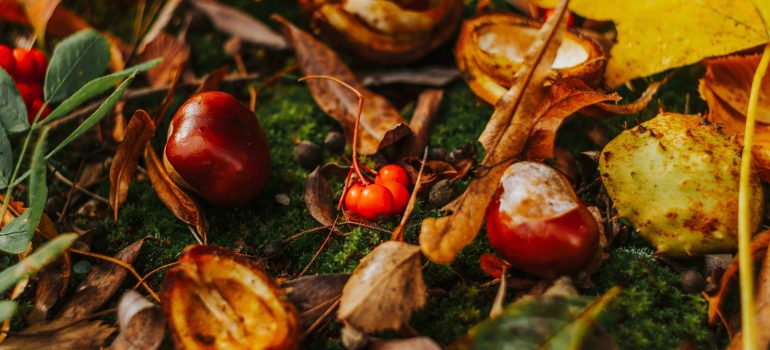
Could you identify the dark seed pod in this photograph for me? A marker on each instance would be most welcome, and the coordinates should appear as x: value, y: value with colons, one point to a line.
x: 442, y: 193
x: 308, y: 155
x: 692, y: 281
x: 335, y: 142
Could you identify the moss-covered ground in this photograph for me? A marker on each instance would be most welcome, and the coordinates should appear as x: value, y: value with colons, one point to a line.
x: 652, y: 312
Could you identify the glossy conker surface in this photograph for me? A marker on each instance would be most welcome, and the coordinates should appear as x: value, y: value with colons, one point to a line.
x: 537, y: 223
x: 217, y: 148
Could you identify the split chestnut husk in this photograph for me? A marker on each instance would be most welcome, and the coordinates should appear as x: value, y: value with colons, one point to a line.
x: 215, y: 299
x: 491, y: 48
x: 388, y: 32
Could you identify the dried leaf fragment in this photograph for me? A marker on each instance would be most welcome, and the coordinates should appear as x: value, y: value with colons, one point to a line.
x: 60, y: 334
x: 39, y: 12
x: 239, y: 24
x: 142, y: 326
x: 318, y: 197
x: 428, y: 104
x: 313, y: 295
x: 381, y: 124
x: 385, y: 288
x: 140, y: 130
x: 215, y: 299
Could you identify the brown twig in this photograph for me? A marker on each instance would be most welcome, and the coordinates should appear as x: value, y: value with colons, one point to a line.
x: 320, y: 319
x: 321, y: 248
x: 155, y: 270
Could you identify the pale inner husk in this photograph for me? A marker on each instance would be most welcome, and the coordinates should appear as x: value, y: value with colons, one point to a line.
x: 512, y: 43
x: 534, y: 191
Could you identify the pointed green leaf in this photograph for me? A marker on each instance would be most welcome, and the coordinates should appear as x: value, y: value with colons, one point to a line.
x: 7, y: 309
x: 6, y: 158
x: 96, y: 87
x: 77, y: 59
x: 13, y: 112
x: 547, y: 322
x: 36, y: 261
x: 96, y: 116
x: 38, y: 191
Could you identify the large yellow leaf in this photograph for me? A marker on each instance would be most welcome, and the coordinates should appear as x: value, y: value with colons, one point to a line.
x: 655, y: 35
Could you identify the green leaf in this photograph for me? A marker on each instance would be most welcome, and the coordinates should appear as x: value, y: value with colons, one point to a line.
x: 14, y: 237
x: 38, y: 191
x: 6, y: 158
x: 13, y: 112
x: 96, y: 116
x: 7, y: 309
x: 36, y: 261
x: 96, y: 87
x: 545, y: 322
x: 77, y: 59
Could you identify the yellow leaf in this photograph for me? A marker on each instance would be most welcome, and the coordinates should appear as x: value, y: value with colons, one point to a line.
x: 656, y: 35
x: 39, y: 12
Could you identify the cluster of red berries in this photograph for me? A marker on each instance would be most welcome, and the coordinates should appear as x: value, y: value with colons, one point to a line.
x: 27, y: 68
x: 387, y: 196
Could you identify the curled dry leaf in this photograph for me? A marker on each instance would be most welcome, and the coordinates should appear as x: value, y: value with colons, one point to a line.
x: 39, y: 12
x: 100, y: 285
x: 174, y: 52
x: 428, y: 104
x: 387, y: 31
x: 385, y: 288
x: 318, y: 197
x: 762, y: 309
x: 140, y: 130
x: 503, y: 138
x: 240, y: 25
x: 726, y: 87
x: 62, y: 334
x: 313, y: 295
x: 176, y: 200
x: 381, y: 124
x: 491, y: 49
x: 142, y: 326
x: 562, y: 100
x: 215, y: 299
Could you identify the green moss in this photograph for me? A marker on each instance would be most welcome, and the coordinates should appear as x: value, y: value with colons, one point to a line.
x: 652, y: 311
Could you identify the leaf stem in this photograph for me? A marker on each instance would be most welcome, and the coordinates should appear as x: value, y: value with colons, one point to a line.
x: 744, y: 210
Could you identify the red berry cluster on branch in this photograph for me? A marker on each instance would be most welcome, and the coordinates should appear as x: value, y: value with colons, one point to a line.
x: 387, y: 196
x: 27, y: 68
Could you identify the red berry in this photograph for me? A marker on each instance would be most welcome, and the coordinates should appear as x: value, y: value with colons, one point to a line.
x: 375, y: 201
x: 7, y: 61
x: 26, y: 68
x: 392, y: 173
x: 351, y: 198
x: 35, y: 108
x: 26, y: 92
x: 41, y: 64
x: 400, y: 196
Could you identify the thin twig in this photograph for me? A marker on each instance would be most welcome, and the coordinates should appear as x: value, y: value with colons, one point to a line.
x: 321, y: 248
x: 59, y: 176
x: 321, y: 228
x: 155, y: 270
x: 120, y: 263
x: 318, y: 321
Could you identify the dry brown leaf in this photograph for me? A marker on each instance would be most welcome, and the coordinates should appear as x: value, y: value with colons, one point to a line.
x: 385, y: 288
x: 213, y: 80
x: 142, y: 326
x: 239, y: 24
x: 726, y: 87
x: 562, y: 100
x: 428, y: 104
x: 51, y: 286
x: 39, y: 12
x: 164, y: 16
x: 215, y: 299
x: 416, y: 343
x: 174, y: 52
x: 428, y: 76
x: 62, y: 334
x: 100, y: 285
x: 176, y: 200
x: 381, y: 124
x: 318, y: 197
x: 140, y: 130
x: 762, y: 307
x: 503, y: 138
x: 312, y: 295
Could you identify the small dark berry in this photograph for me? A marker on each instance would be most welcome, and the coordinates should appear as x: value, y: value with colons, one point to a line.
x: 437, y: 153
x: 335, y: 142
x: 692, y: 281
x: 442, y: 193
x: 308, y: 155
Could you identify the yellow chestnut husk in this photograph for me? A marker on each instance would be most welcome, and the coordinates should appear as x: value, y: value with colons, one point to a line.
x: 491, y: 48
x: 675, y: 178
x: 387, y: 32
x: 215, y: 299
